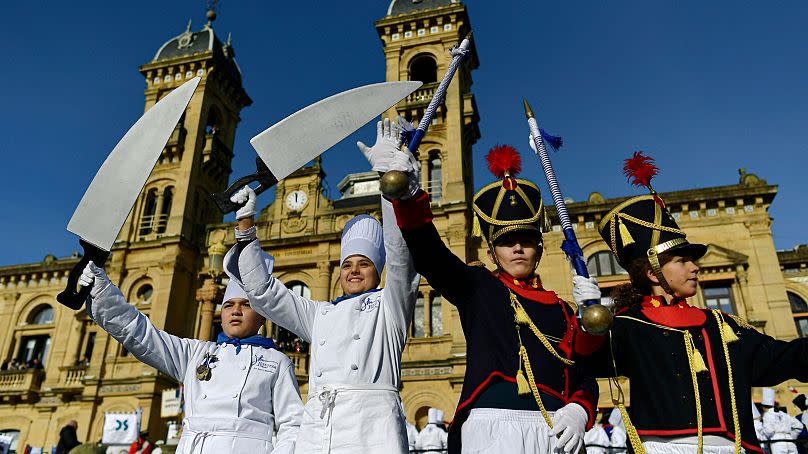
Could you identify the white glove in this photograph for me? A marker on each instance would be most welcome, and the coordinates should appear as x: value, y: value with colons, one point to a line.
x: 405, y: 161
x: 387, y: 143
x: 245, y: 197
x: 95, y: 277
x: 584, y: 289
x: 569, y: 424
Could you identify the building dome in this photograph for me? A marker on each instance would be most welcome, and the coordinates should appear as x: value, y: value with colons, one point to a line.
x: 190, y: 43
x: 410, y: 6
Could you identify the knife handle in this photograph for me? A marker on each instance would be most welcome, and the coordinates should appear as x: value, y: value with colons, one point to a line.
x: 70, y: 297
x: 263, y: 176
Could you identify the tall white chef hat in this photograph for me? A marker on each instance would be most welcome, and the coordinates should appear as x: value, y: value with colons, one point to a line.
x: 362, y: 235
x: 433, y: 416
x: 439, y: 416
x: 768, y: 397
x: 234, y: 289
x: 616, y: 418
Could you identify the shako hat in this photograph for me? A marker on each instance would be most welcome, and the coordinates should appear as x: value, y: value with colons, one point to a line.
x: 509, y: 204
x: 642, y: 227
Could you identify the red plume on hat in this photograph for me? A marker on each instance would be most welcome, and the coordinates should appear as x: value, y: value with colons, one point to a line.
x: 639, y: 170
x: 505, y: 163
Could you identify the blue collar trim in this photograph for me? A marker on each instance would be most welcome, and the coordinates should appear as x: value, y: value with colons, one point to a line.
x: 258, y: 341
x: 345, y: 297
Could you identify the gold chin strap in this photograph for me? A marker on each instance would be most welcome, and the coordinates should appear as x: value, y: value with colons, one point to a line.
x: 653, y: 258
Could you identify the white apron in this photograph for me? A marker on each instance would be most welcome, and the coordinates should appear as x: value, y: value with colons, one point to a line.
x: 348, y: 419
x: 224, y: 435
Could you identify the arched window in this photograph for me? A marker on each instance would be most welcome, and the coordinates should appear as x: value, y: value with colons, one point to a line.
x: 434, y: 185
x: 149, y: 210
x: 424, y: 68
x: 604, y: 264
x: 800, y: 310
x: 43, y: 315
x: 144, y: 294
x: 299, y: 289
x: 165, y: 210
x: 214, y: 122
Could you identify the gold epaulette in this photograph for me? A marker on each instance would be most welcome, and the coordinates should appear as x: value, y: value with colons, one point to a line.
x: 741, y: 321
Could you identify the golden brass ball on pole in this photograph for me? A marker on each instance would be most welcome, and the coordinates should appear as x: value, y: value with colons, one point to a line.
x: 597, y: 319
x: 394, y: 184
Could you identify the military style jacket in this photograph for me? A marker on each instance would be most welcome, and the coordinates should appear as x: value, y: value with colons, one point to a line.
x: 647, y: 344
x: 483, y: 302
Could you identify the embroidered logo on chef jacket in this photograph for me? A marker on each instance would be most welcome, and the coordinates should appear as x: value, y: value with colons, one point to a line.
x: 370, y: 303
x: 264, y: 365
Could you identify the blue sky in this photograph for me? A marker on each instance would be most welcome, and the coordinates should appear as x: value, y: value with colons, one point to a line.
x: 704, y: 87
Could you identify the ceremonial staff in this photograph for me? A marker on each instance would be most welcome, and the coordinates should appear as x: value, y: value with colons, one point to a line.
x: 596, y: 318
x: 394, y: 183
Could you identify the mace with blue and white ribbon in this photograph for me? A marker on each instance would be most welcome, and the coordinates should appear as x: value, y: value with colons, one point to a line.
x: 596, y: 318
x: 394, y: 183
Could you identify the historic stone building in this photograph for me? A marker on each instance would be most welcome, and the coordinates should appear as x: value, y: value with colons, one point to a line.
x: 168, y: 258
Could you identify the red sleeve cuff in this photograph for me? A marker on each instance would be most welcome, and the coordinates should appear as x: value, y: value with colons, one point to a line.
x: 586, y: 344
x: 413, y: 212
x: 590, y: 404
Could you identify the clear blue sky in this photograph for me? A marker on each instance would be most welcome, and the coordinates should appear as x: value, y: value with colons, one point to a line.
x: 704, y: 87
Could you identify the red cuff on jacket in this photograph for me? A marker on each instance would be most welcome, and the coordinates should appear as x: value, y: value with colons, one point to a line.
x: 414, y: 212
x: 590, y: 404
x: 585, y: 343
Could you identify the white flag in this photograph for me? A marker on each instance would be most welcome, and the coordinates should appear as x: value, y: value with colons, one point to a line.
x: 120, y: 428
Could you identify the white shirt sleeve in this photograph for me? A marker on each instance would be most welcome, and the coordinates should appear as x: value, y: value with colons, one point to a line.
x: 401, y: 281
x: 288, y: 409
x: 269, y: 296
x: 165, y: 352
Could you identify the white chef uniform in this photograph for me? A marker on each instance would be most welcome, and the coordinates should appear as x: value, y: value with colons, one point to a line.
x: 248, y: 395
x: 433, y: 439
x: 356, y: 342
x: 597, y: 440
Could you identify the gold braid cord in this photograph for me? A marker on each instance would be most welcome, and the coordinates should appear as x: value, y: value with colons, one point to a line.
x: 690, y: 349
x: 650, y: 225
x: 523, y: 319
x: 720, y: 320
x: 533, y: 388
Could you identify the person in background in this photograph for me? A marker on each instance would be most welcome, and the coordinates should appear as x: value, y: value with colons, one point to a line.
x: 142, y: 445
x: 433, y: 437
x: 597, y: 439
x: 67, y: 438
x: 779, y: 425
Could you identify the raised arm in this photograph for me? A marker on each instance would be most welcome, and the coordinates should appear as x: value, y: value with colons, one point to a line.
x: 772, y: 361
x: 107, y: 307
x: 445, y: 272
x: 401, y: 281
x: 251, y: 267
x: 287, y: 408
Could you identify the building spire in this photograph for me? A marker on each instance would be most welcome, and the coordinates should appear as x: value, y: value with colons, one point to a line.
x: 211, y: 14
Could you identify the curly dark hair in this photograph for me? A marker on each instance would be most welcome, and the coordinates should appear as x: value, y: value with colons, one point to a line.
x: 631, y: 294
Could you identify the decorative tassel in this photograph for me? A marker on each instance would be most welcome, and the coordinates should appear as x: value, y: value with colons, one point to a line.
x: 522, y: 387
x: 476, y: 230
x: 554, y: 141
x: 521, y: 316
x: 698, y: 362
x: 625, y: 235
x: 729, y: 333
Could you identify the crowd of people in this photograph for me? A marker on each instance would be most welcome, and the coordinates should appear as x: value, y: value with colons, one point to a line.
x: 17, y: 364
x: 531, y: 367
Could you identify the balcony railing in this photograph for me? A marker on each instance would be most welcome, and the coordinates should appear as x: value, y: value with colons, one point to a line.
x: 421, y: 96
x: 153, y: 224
x: 71, y: 376
x: 301, y: 363
x: 20, y: 383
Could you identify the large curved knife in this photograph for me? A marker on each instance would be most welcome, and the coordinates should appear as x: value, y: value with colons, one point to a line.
x: 108, y: 200
x: 297, y: 139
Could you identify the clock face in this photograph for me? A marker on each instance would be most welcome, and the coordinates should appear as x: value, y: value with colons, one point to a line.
x: 296, y: 200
